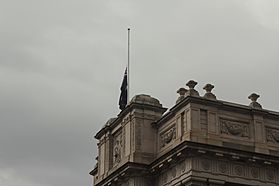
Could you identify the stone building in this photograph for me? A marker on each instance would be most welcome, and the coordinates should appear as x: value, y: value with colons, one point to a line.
x: 200, y: 141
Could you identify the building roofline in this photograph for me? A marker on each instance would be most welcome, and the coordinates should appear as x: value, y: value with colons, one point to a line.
x: 215, y: 103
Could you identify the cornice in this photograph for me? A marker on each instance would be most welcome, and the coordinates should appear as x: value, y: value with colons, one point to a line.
x: 94, y: 171
x: 124, y: 171
x: 191, y: 149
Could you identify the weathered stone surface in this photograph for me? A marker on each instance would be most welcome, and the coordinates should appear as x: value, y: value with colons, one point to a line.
x: 146, y: 99
x: 200, y: 141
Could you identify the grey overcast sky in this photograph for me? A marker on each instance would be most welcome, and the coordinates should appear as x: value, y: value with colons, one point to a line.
x: 62, y: 63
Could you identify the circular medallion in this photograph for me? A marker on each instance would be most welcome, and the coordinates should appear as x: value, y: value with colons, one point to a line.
x: 205, y: 164
x: 238, y: 170
x: 223, y: 167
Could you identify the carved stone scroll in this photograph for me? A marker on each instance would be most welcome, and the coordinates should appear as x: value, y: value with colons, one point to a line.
x: 234, y: 128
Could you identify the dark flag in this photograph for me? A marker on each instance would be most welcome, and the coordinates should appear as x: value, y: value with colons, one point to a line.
x: 124, y: 92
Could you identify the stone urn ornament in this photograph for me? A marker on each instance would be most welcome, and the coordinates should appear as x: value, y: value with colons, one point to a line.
x: 192, y: 92
x: 182, y: 91
x: 208, y: 94
x: 254, y: 104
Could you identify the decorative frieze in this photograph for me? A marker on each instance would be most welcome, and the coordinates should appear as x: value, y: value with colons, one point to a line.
x: 234, y: 128
x: 174, y: 172
x: 237, y: 170
x: 167, y: 136
x: 272, y: 135
x: 221, y: 167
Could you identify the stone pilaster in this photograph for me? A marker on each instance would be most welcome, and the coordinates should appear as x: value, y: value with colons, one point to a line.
x: 258, y: 124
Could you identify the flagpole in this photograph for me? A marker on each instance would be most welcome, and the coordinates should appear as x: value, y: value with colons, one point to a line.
x: 128, y: 67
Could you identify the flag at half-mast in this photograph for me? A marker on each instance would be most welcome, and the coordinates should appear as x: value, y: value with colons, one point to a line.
x: 124, y: 92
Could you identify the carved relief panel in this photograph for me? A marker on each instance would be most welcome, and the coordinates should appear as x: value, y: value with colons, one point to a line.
x: 234, y: 127
x: 272, y: 135
x: 167, y: 136
x: 117, y: 147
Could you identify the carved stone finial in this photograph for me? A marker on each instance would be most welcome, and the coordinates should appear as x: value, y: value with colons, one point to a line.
x: 192, y: 92
x: 208, y: 88
x: 254, y: 104
x: 191, y: 84
x: 254, y: 97
x: 209, y: 95
x: 181, y: 92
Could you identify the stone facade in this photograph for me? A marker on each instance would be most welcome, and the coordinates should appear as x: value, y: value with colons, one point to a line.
x: 200, y: 141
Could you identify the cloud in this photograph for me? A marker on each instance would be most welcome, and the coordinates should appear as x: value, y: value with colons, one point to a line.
x: 11, y: 178
x: 62, y: 62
